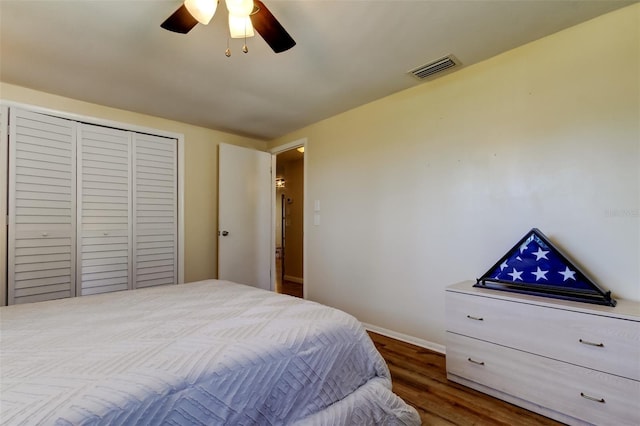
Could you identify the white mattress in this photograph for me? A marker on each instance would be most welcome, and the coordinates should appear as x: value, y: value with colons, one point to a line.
x: 211, y: 352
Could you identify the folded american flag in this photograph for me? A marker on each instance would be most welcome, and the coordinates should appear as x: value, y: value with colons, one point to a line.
x: 535, y: 266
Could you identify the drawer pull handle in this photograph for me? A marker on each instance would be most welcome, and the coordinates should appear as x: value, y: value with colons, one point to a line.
x: 45, y: 234
x: 475, y: 318
x: 586, y: 342
x: 475, y: 362
x: 592, y: 398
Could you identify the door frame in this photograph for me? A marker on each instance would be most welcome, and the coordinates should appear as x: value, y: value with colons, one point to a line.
x: 302, y: 142
x: 4, y: 161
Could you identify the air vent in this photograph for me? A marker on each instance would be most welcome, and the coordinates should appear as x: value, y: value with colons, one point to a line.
x: 435, y: 67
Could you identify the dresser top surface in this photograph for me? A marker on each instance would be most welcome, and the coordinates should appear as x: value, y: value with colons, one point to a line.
x: 625, y: 309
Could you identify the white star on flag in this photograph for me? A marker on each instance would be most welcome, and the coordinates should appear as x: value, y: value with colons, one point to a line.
x: 541, y: 254
x: 540, y: 274
x: 515, y: 275
x: 568, y: 274
x: 503, y: 265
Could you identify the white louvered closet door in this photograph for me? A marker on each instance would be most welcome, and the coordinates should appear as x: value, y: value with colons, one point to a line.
x: 155, y: 211
x: 42, y: 162
x: 104, y: 210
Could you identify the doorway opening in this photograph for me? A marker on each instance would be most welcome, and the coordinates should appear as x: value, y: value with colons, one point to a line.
x: 289, y: 221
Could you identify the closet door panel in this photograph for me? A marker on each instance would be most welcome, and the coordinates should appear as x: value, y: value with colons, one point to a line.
x: 104, y: 210
x: 155, y: 211
x: 41, y: 241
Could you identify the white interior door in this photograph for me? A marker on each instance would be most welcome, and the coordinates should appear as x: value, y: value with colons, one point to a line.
x: 244, y: 216
x: 104, y: 210
x: 42, y: 207
x: 155, y: 211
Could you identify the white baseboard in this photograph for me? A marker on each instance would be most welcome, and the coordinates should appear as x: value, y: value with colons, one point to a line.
x: 406, y: 338
x: 294, y: 279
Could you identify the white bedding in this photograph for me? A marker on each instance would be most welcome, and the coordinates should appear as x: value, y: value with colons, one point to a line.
x: 211, y: 352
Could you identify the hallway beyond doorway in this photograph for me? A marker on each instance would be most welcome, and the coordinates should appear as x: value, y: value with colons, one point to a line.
x: 289, y: 221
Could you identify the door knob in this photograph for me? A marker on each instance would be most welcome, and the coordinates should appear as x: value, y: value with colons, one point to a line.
x: 224, y: 233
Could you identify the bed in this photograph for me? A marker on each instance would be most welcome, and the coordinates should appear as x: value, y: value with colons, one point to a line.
x: 210, y: 352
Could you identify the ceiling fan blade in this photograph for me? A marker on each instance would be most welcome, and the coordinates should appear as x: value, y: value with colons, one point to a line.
x: 270, y: 29
x: 181, y: 21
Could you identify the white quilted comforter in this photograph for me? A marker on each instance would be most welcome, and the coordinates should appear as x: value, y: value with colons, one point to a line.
x: 209, y: 353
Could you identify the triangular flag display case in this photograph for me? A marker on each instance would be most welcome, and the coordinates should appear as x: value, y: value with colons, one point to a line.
x: 535, y: 266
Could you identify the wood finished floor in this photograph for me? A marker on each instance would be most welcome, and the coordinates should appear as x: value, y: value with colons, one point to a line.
x: 419, y: 377
x: 291, y: 288
x: 285, y: 286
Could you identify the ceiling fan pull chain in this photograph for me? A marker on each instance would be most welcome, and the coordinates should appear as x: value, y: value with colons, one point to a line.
x: 227, y: 52
x: 245, y: 48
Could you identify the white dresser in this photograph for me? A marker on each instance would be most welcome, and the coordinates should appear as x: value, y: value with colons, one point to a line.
x: 574, y: 362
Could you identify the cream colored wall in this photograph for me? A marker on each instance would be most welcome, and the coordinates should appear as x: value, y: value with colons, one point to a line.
x: 201, y: 169
x: 433, y: 185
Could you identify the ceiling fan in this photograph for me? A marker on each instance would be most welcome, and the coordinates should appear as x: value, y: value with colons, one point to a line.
x: 250, y: 13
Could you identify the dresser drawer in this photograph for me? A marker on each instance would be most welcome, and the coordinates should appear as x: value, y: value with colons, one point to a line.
x: 582, y: 393
x: 598, y: 342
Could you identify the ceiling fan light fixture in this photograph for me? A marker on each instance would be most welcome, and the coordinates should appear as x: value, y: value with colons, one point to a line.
x: 202, y: 10
x: 240, y: 26
x: 255, y: 16
x: 239, y: 7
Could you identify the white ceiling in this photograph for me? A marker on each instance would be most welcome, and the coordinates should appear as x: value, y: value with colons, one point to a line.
x: 348, y: 53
